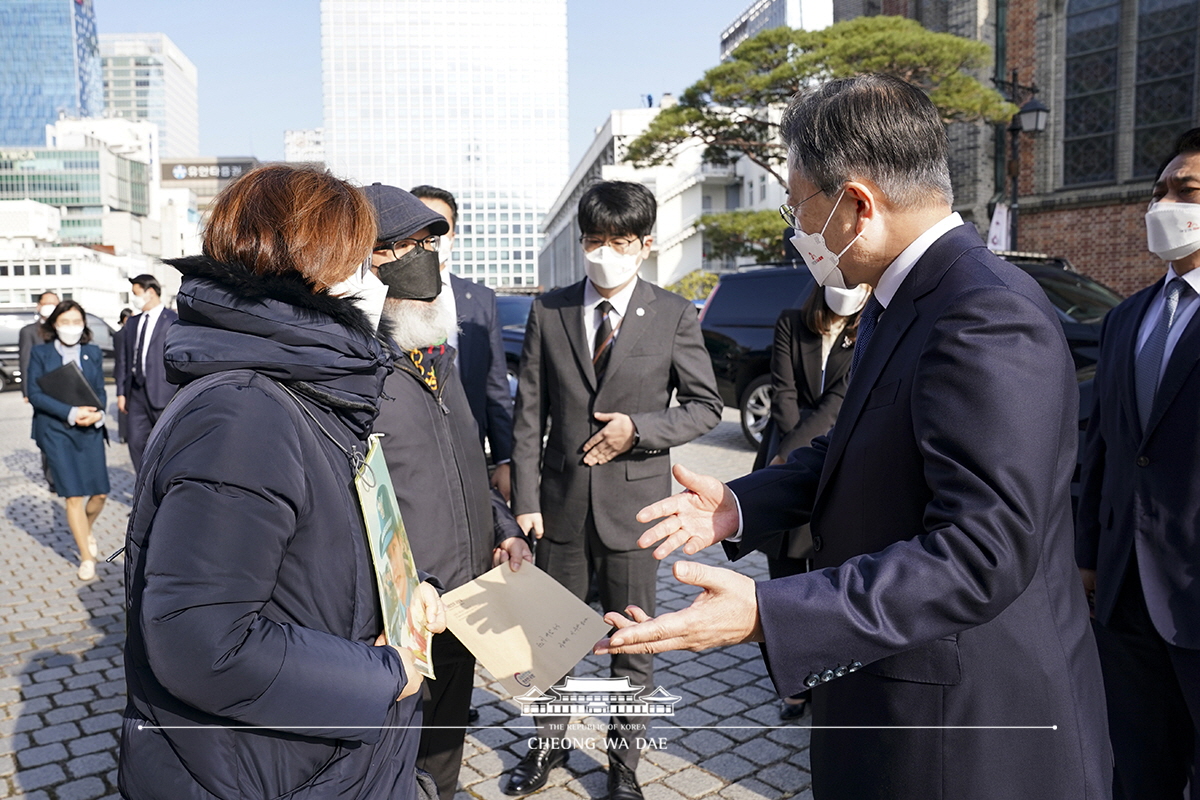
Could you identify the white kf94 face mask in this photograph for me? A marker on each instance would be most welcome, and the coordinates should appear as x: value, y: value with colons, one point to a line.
x: 609, y: 269
x: 365, y: 289
x: 1173, y: 230
x: 845, y: 302
x: 820, y: 260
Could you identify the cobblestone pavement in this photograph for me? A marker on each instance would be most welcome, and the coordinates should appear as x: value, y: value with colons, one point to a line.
x: 62, y: 684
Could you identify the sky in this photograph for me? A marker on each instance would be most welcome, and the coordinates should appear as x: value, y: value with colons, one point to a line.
x: 259, y: 61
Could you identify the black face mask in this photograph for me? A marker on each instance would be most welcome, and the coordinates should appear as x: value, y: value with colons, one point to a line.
x: 416, y: 275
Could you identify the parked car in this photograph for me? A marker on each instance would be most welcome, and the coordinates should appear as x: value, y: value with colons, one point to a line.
x: 738, y: 322
x: 11, y: 322
x: 513, y: 310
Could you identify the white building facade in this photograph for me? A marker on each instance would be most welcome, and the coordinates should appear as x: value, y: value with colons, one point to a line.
x: 306, y: 146
x: 147, y: 77
x: 761, y: 15
x: 466, y: 95
x: 685, y: 190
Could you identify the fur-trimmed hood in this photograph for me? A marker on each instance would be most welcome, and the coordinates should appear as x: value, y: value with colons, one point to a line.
x: 323, y: 346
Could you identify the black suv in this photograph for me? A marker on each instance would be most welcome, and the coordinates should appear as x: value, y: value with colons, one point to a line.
x: 739, y: 317
x: 11, y: 322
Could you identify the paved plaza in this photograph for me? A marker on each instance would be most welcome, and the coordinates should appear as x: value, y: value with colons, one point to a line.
x: 62, y: 684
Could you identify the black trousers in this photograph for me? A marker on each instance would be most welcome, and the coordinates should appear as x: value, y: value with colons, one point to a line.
x: 1153, y: 692
x: 623, y: 578
x: 141, y: 416
x: 447, y: 704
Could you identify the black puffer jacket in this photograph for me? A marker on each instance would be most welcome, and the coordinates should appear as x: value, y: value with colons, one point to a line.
x: 251, y: 599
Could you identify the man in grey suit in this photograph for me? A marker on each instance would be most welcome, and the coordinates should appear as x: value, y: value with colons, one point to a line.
x: 601, y: 362
x: 942, y: 629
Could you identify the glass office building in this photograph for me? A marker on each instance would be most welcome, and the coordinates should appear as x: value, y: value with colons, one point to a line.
x: 467, y: 95
x: 83, y: 183
x: 49, y: 64
x: 147, y: 77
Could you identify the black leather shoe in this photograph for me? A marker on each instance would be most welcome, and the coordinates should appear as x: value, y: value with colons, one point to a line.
x: 473, y: 715
x: 622, y: 782
x: 532, y: 771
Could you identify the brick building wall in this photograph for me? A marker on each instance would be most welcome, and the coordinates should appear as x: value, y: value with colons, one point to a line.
x: 1105, y: 242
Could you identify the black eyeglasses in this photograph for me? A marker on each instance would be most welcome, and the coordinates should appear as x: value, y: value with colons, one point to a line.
x: 428, y: 243
x: 789, y: 212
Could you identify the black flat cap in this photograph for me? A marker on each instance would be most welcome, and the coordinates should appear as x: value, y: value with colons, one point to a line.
x: 399, y: 214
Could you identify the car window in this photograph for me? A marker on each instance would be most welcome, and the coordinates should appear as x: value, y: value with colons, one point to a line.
x: 513, y: 309
x: 1078, y: 296
x: 750, y: 299
x: 10, y: 327
x: 102, y: 335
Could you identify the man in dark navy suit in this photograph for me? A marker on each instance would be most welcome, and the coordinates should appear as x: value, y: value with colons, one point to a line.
x: 481, y: 363
x: 144, y: 377
x: 1139, y: 510
x: 942, y: 629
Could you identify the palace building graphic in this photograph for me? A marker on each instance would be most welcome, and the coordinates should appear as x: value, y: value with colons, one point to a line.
x: 598, y: 696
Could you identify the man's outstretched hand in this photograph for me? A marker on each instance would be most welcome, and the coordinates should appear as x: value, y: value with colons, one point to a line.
x: 725, y: 613
x: 701, y: 515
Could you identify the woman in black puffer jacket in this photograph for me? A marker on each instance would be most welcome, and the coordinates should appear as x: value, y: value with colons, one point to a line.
x: 254, y: 660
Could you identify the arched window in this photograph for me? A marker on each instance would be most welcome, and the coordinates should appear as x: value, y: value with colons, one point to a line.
x: 1126, y: 98
x: 1090, y: 91
x: 1165, y: 79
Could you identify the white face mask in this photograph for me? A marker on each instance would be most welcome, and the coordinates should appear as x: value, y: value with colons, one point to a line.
x: 1173, y: 230
x: 609, y: 269
x: 367, y: 292
x: 820, y: 260
x: 445, y: 247
x: 46, y: 310
x: 138, y: 301
x: 845, y: 302
x: 69, y: 334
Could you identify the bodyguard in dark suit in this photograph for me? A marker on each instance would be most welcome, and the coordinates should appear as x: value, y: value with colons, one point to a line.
x: 602, y: 360
x: 1139, y: 538
x: 942, y: 606
x: 144, y: 377
x: 31, y: 336
x: 479, y: 345
x: 28, y: 338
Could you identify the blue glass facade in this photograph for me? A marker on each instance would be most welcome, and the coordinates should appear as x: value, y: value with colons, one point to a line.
x: 49, y: 62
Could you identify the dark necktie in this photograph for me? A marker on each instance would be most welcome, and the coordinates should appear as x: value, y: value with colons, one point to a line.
x: 1148, y: 365
x: 138, y: 367
x: 866, y: 329
x: 604, y: 338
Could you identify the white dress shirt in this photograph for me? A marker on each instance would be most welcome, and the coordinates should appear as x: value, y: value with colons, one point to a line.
x: 149, y: 319
x: 591, y: 320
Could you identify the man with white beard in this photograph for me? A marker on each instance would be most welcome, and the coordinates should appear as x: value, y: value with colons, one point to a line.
x: 458, y: 527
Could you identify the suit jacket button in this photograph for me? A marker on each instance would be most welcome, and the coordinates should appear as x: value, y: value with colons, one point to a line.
x: 840, y: 672
x: 817, y: 543
x: 1142, y: 461
x: 812, y: 680
x: 827, y: 676
x: 854, y: 666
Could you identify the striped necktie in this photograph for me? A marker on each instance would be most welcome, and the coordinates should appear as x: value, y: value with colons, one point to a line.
x: 604, y: 339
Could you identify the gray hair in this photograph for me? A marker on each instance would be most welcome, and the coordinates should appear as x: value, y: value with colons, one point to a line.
x: 876, y: 127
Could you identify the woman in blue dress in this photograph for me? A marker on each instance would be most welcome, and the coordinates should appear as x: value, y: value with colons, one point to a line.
x: 72, y: 437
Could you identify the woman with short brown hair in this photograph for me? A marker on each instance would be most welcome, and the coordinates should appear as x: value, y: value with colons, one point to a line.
x: 254, y: 659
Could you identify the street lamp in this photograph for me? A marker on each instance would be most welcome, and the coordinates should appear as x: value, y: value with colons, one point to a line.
x: 1031, y: 118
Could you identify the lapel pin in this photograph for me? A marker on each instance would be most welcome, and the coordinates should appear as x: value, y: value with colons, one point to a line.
x: 641, y: 312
